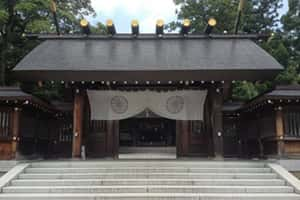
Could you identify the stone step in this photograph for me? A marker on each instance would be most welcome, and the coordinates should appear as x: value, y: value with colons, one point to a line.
x: 152, y: 196
x: 148, y: 176
x: 148, y: 189
x: 147, y: 170
x: 162, y: 163
x: 95, y: 182
x: 147, y: 150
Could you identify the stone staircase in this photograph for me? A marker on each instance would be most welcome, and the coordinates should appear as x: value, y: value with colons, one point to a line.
x: 6, y: 165
x: 139, y: 180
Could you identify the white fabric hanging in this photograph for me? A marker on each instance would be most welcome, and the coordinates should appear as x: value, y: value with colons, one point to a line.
x: 117, y: 105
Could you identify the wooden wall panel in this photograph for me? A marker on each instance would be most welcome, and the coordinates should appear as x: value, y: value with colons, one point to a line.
x: 270, y: 147
x: 189, y: 143
x: 96, y: 145
x: 6, y: 152
x: 292, y: 147
x: 198, y: 143
x: 230, y: 136
x: 96, y: 140
x: 267, y: 126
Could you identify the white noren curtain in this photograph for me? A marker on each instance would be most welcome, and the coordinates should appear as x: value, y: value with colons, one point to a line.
x: 118, y: 105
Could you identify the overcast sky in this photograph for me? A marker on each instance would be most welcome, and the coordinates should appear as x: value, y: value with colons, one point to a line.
x: 146, y: 11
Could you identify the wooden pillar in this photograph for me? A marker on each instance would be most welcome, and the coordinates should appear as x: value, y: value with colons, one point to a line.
x: 116, y: 139
x: 112, y: 141
x: 109, y: 138
x: 182, y: 137
x: 227, y: 90
x: 77, y: 123
x: 279, y: 131
x: 15, y: 131
x: 178, y: 139
x: 259, y: 135
x: 217, y: 121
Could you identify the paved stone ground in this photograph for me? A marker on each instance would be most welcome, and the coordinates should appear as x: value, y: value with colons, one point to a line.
x: 147, y: 153
x: 297, y: 174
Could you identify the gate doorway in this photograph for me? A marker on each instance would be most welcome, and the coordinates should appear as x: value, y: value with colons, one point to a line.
x: 147, y: 138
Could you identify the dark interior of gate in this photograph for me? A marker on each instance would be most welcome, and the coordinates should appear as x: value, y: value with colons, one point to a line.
x: 147, y: 132
x: 109, y: 138
x: 147, y: 135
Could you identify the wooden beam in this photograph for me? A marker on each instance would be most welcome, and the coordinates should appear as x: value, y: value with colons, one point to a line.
x: 217, y: 120
x: 279, y: 131
x: 15, y: 131
x: 77, y: 123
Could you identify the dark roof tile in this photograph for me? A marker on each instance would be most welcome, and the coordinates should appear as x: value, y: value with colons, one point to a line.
x: 214, y: 59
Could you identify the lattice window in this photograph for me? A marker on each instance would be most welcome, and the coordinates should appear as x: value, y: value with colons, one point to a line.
x: 292, y: 123
x: 5, y: 117
x: 66, y: 133
x: 97, y: 126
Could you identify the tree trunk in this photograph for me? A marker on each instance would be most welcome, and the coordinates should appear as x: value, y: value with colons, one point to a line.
x: 6, y: 39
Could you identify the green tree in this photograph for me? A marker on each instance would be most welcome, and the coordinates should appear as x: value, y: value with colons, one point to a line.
x: 18, y: 17
x: 259, y: 16
x: 291, y: 28
x: 200, y: 11
x: 243, y: 90
x: 290, y: 75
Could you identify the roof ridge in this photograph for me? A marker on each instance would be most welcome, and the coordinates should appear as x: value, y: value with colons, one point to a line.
x: 126, y: 36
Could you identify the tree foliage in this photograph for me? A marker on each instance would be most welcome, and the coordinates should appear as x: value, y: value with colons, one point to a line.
x: 259, y: 16
x: 200, y: 11
x: 291, y: 40
x: 20, y: 17
x: 291, y: 31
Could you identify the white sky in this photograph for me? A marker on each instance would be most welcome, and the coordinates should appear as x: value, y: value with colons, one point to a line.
x: 123, y: 11
x: 146, y: 11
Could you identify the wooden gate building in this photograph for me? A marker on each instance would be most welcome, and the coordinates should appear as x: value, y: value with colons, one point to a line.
x: 147, y: 62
